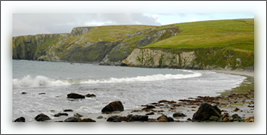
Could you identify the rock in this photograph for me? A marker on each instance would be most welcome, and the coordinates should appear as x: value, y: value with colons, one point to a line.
x: 72, y: 119
x: 20, y: 119
x: 87, y: 120
x: 249, y: 119
x: 151, y: 113
x: 113, y: 106
x: 77, y: 115
x: 68, y: 110
x: 149, y: 107
x: 179, y: 114
x: 162, y: 118
x: 205, y: 111
x: 170, y: 119
x: 90, y: 95
x: 75, y: 96
x: 236, y: 109
x: 114, y: 119
x: 236, y: 117
x: 131, y: 117
x: 41, y: 117
x: 225, y: 119
x: 100, y: 117
x: 24, y: 93
x: 214, y: 118
x: 41, y: 93
x: 60, y: 114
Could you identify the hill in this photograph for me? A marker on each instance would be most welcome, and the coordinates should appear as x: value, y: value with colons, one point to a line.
x: 197, y: 45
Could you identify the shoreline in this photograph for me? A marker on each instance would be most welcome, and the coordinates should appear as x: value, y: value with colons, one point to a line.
x: 185, y: 106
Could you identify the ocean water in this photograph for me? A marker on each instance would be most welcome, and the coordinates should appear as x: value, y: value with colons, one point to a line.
x: 47, y: 84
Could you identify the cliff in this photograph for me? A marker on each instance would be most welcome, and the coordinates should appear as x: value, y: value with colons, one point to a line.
x: 213, y: 58
x: 222, y: 44
x: 104, y: 44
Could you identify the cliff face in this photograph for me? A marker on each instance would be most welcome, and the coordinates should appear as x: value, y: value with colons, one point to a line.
x: 31, y: 47
x: 227, y: 44
x: 104, y: 45
x: 220, y: 58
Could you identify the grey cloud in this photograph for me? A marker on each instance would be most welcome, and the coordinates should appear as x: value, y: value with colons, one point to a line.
x: 25, y: 24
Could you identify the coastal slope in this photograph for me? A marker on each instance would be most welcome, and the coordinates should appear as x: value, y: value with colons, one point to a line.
x: 220, y: 44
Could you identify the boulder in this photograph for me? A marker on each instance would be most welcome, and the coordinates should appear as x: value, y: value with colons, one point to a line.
x: 131, y: 117
x: 114, y: 119
x: 236, y: 117
x: 41, y: 117
x: 162, y: 118
x: 100, y: 117
x: 179, y: 114
x: 23, y: 92
x: 151, y: 113
x: 149, y: 107
x: 60, y: 114
x: 87, y: 120
x: 75, y: 96
x: 214, y: 118
x: 68, y: 110
x: 20, y: 119
x: 113, y: 106
x: 72, y: 119
x: 90, y: 95
x: 205, y: 111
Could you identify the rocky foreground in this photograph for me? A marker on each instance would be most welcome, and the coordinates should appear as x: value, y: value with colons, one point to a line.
x: 231, y: 108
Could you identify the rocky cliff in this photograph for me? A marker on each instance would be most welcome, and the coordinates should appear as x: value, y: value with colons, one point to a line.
x: 222, y: 44
x: 211, y: 58
x: 104, y: 45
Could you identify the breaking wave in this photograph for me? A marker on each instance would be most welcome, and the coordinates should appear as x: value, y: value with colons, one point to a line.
x: 42, y: 81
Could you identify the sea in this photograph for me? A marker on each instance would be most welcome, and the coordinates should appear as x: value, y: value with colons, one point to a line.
x: 46, y: 85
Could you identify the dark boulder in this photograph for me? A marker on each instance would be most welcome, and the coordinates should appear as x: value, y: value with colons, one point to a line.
x: 149, y: 107
x: 131, y: 117
x: 179, y: 114
x: 236, y: 117
x: 114, y: 119
x: 75, y: 96
x: 20, y: 119
x: 23, y: 92
x: 214, y: 118
x: 113, y: 106
x: 72, y: 119
x: 87, y: 120
x: 60, y: 114
x: 68, y: 110
x: 205, y: 111
x: 90, y: 95
x: 170, y: 119
x: 41, y: 117
x: 151, y: 113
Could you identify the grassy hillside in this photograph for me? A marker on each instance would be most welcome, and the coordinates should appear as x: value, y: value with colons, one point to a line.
x: 235, y: 34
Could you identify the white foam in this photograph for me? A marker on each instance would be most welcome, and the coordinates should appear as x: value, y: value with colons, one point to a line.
x: 157, y: 77
x: 38, y: 81
x: 42, y: 81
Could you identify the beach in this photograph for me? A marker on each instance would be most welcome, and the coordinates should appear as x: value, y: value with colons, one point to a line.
x: 239, y: 100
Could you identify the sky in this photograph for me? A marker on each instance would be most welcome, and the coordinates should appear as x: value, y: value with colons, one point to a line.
x: 47, y: 23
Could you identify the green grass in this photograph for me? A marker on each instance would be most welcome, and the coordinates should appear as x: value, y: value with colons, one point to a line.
x: 112, y: 33
x: 236, y: 34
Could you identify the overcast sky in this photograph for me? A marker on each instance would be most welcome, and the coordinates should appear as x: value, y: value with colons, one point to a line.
x: 46, y: 23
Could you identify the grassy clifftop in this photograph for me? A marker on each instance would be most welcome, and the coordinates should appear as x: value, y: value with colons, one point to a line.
x: 235, y: 34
